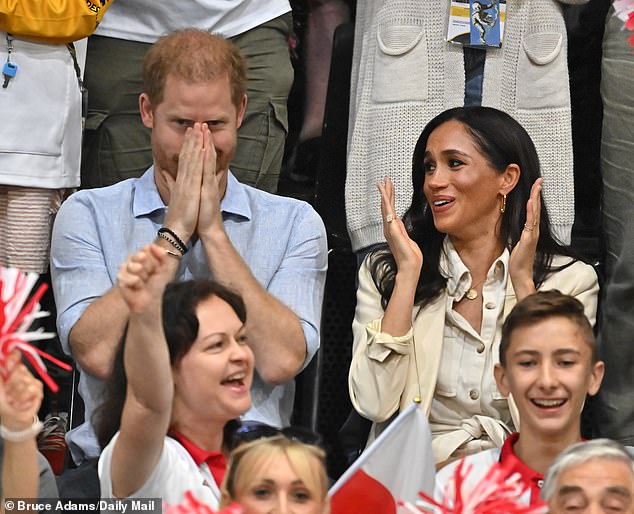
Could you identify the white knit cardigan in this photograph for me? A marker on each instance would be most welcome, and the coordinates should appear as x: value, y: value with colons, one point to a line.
x: 404, y: 73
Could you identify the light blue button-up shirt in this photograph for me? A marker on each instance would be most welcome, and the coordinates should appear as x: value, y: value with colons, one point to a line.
x: 282, y: 240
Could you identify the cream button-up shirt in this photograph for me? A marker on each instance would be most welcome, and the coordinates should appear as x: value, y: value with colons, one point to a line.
x: 387, y: 373
x: 468, y: 413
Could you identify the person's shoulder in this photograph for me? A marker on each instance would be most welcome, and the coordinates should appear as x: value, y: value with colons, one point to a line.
x: 259, y: 197
x: 285, y: 208
x: 568, y: 267
x: 563, y: 260
x: 113, y: 193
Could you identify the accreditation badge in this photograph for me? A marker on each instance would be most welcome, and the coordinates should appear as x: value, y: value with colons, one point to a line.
x: 476, y: 23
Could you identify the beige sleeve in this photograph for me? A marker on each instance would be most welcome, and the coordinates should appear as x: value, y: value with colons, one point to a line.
x: 380, y: 362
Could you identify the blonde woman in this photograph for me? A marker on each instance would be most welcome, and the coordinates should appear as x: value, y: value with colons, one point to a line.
x: 277, y: 474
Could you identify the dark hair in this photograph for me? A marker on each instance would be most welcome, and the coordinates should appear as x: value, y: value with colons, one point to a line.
x: 180, y: 325
x: 544, y: 305
x: 503, y: 141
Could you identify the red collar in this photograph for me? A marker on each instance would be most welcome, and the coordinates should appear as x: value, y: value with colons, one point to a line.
x: 214, y: 460
x: 529, y: 476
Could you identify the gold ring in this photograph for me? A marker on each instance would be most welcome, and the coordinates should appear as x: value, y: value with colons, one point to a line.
x: 527, y: 228
x: 389, y: 218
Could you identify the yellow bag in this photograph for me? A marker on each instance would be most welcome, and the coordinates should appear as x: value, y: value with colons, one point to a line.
x: 52, y: 21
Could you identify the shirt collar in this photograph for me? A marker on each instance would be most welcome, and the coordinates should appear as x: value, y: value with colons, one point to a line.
x: 236, y: 199
x: 513, y: 464
x: 146, y: 196
x: 148, y: 200
x: 458, y: 275
x: 215, y: 460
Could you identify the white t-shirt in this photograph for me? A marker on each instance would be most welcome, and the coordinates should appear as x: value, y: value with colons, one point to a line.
x: 175, y: 473
x: 147, y: 20
x: 45, y: 97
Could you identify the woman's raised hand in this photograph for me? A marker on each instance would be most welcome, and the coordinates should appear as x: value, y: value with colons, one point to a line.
x: 407, y: 254
x: 20, y: 394
x: 143, y: 277
x: 523, y: 255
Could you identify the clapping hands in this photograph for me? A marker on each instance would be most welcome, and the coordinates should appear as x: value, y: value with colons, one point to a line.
x: 523, y: 255
x: 406, y: 252
x: 194, y: 194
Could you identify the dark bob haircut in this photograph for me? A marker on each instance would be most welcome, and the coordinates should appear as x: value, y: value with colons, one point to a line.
x: 180, y: 325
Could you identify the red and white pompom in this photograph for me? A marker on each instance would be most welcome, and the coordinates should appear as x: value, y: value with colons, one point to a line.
x: 191, y: 505
x: 495, y: 493
x: 17, y: 313
x: 624, y: 10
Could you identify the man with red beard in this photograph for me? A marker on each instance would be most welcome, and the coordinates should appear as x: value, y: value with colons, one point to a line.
x: 269, y: 249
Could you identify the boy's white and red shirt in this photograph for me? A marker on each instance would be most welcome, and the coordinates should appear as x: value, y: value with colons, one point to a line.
x: 482, y: 461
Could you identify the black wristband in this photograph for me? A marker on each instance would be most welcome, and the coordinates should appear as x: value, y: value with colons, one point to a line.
x: 171, y: 237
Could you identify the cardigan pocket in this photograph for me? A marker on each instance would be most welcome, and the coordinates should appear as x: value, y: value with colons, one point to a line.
x: 542, y: 73
x: 400, y: 64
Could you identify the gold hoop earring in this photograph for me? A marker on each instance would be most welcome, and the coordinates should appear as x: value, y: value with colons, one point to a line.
x: 503, y: 208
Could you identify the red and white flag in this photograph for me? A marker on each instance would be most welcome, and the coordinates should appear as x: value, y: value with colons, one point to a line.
x: 397, y: 465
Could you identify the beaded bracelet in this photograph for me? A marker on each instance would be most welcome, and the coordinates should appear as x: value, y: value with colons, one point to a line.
x: 175, y: 244
x: 21, y: 435
x: 171, y: 233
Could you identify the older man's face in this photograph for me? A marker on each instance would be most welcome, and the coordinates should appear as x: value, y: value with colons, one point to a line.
x: 599, y: 486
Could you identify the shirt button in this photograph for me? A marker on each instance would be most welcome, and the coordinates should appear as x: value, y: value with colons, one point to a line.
x: 540, y: 483
x: 490, y: 305
x: 473, y: 394
x: 480, y: 348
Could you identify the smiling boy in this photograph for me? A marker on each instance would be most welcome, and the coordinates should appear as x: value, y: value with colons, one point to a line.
x: 548, y: 364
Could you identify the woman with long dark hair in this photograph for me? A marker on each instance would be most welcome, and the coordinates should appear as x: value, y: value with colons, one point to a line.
x: 189, y: 370
x: 430, y: 307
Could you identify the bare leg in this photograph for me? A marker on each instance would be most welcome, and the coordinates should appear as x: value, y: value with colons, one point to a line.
x: 325, y: 16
